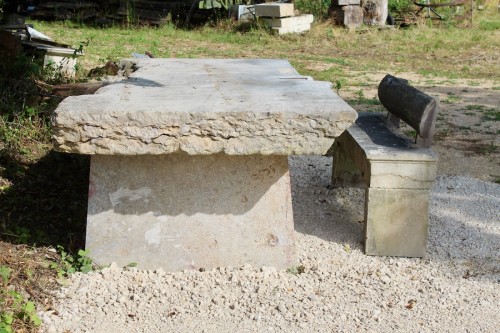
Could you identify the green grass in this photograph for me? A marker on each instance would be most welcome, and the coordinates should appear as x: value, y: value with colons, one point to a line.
x: 491, y: 115
x: 431, y: 51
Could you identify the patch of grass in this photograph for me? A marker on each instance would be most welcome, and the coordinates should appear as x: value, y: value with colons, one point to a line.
x: 433, y: 51
x: 24, y: 281
x: 450, y: 99
x: 488, y: 25
x: 491, y: 115
x: 475, y: 107
x: 364, y: 100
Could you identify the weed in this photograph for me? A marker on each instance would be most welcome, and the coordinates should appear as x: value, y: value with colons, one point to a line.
x: 475, y: 107
x: 488, y: 149
x: 296, y: 270
x: 347, y: 248
x: 363, y: 100
x: 16, y: 312
x: 410, y: 132
x: 71, y: 263
x: 491, y: 115
x: 451, y: 98
x: 339, y: 84
x: 473, y: 83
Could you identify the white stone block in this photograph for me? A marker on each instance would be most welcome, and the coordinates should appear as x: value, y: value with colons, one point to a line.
x: 345, y: 2
x: 289, y: 22
x: 294, y: 29
x: 274, y: 10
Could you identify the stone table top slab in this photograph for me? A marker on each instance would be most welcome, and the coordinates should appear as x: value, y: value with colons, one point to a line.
x: 204, y: 106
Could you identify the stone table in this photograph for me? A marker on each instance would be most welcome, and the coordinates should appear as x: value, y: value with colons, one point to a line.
x: 189, y: 163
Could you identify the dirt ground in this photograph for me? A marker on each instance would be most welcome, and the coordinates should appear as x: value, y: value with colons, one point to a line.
x: 468, y: 125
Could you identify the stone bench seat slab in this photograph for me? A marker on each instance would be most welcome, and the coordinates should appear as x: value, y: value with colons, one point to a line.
x: 387, y: 158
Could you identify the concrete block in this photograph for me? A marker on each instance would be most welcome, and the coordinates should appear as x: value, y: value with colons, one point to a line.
x: 289, y: 22
x: 345, y: 2
x: 242, y: 12
x: 274, y: 10
x: 294, y: 29
x: 402, y: 174
x: 396, y: 222
x: 350, y: 16
x: 188, y: 212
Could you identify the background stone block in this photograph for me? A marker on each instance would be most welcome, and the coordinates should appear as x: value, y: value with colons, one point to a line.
x: 350, y: 16
x: 274, y: 9
x: 345, y: 2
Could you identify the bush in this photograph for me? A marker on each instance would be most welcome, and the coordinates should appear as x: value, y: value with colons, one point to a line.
x: 399, y: 6
x: 319, y: 8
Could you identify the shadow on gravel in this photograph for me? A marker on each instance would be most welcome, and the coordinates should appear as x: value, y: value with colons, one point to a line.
x: 464, y: 228
x: 335, y: 215
x: 465, y: 225
x: 47, y: 201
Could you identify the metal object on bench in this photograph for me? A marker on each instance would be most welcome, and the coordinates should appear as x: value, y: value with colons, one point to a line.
x: 396, y: 171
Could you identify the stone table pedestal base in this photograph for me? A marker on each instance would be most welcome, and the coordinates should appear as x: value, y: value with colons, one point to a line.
x: 189, y: 212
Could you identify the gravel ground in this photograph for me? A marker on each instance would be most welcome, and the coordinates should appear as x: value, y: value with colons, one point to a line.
x: 333, y: 288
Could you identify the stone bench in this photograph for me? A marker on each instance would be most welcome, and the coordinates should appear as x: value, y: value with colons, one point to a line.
x: 396, y: 170
x: 189, y: 164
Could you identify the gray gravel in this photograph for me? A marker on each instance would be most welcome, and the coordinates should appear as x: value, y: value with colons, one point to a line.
x: 333, y: 288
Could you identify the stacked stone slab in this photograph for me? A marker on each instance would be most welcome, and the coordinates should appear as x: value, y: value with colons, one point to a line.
x: 346, y: 12
x: 280, y: 17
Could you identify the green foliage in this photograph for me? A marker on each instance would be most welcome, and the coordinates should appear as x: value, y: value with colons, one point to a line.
x: 71, y: 263
x: 5, y: 273
x: 319, y: 8
x: 400, y: 6
x: 339, y: 84
x: 14, y: 307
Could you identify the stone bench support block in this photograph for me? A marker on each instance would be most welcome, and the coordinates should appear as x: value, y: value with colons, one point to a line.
x: 397, y: 176
x: 189, y: 212
x: 396, y: 222
x: 274, y: 10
